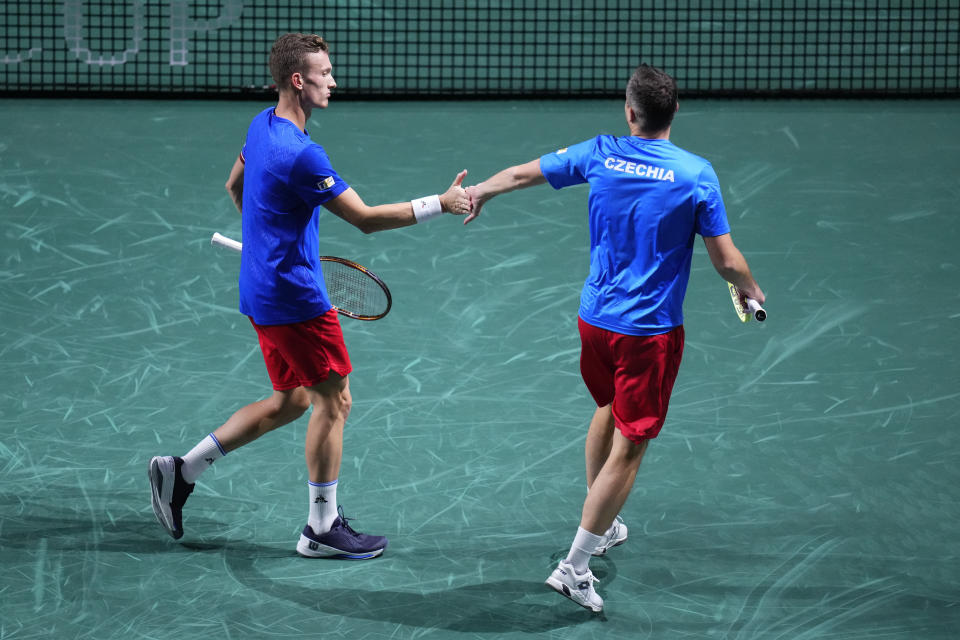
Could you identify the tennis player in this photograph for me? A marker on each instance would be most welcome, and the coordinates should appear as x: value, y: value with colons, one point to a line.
x: 648, y: 199
x: 278, y: 183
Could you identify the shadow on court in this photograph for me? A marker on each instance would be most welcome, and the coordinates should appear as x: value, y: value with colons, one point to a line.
x: 813, y: 581
x: 491, y: 607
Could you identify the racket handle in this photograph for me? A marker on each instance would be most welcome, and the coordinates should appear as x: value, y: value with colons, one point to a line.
x: 224, y: 241
x: 754, y: 308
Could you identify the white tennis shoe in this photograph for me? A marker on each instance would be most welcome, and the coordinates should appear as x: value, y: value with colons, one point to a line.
x: 576, y: 586
x: 615, y: 535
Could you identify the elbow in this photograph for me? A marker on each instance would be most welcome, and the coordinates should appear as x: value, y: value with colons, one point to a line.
x: 727, y: 272
x: 726, y: 267
x: 517, y: 177
x: 727, y: 262
x: 366, y: 227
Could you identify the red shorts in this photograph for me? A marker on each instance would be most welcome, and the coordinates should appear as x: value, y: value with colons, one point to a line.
x: 303, y: 354
x: 634, y: 373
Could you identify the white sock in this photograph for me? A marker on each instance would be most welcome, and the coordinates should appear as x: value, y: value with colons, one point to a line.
x: 200, y: 458
x: 323, y: 505
x: 582, y: 548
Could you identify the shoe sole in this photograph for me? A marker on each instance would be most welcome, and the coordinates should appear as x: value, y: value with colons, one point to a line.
x: 308, y: 548
x: 161, y: 493
x: 564, y: 590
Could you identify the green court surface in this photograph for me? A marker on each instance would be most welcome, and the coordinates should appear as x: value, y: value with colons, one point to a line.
x: 805, y: 485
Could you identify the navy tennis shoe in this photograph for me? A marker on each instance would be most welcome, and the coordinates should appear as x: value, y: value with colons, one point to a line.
x: 340, y: 542
x: 169, y: 491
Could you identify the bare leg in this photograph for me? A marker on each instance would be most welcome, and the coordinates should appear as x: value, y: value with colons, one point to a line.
x: 254, y: 420
x: 324, y: 449
x: 331, y: 402
x: 599, y: 441
x: 612, y: 485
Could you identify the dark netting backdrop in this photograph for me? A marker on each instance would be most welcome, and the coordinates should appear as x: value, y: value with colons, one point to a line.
x: 466, y: 48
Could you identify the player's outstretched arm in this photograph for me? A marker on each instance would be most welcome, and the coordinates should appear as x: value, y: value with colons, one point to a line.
x: 520, y: 176
x: 732, y: 266
x: 234, y: 184
x: 349, y: 206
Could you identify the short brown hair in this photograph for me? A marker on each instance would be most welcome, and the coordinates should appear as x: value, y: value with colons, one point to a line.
x: 653, y: 95
x: 289, y: 54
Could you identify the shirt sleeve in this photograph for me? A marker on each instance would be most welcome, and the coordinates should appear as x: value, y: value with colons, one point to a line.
x: 567, y: 166
x: 313, y: 178
x: 711, y: 213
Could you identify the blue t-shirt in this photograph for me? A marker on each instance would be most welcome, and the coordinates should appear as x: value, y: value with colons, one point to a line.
x: 648, y: 199
x: 286, y: 177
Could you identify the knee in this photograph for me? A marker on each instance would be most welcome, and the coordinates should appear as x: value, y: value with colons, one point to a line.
x: 336, y: 407
x: 300, y: 401
x: 629, y: 453
x: 346, y: 402
x: 331, y: 398
x: 292, y: 404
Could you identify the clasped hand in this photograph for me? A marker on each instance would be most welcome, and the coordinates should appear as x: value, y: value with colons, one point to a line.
x: 463, y: 201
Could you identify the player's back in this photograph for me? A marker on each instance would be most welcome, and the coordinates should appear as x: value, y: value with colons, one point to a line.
x: 648, y: 199
x: 645, y: 200
x: 645, y: 193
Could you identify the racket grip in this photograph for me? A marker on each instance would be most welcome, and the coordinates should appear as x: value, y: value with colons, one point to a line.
x: 224, y: 241
x: 756, y: 310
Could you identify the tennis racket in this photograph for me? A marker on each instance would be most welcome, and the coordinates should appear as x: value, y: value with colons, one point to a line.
x: 751, y: 309
x: 354, y: 290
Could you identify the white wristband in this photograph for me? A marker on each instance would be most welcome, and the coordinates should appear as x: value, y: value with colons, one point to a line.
x: 426, y: 208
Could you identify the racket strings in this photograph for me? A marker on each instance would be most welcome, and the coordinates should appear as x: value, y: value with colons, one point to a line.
x: 352, y: 291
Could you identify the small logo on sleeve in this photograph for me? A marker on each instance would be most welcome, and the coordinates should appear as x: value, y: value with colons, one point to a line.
x: 564, y: 150
x: 325, y: 184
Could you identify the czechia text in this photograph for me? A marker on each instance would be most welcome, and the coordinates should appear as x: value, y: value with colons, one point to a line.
x: 642, y: 170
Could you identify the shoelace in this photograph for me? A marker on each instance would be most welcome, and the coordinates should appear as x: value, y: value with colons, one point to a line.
x: 344, y: 520
x: 586, y: 583
x: 611, y: 533
x: 615, y: 527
